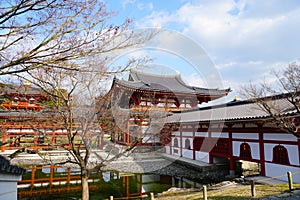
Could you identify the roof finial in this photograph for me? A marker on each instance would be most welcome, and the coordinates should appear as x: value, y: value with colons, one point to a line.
x: 236, y: 98
x: 27, y: 83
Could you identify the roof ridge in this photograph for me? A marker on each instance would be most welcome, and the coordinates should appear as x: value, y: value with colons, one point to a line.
x: 134, y: 71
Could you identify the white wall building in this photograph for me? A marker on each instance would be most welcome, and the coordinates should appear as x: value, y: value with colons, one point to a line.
x: 9, y: 176
x: 233, y: 132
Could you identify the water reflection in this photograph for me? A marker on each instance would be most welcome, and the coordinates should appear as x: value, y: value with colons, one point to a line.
x: 54, y: 182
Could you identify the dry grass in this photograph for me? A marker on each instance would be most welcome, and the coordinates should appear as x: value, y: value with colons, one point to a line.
x: 234, y: 192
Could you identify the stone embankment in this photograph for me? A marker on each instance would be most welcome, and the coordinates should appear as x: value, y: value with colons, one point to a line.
x: 157, y: 163
x: 142, y: 163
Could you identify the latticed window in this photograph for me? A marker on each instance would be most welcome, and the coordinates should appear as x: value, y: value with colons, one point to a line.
x: 175, y: 142
x: 221, y: 146
x: 245, y: 150
x: 280, y: 155
x: 187, y: 144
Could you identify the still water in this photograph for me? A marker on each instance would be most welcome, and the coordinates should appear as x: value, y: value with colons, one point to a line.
x: 53, y: 182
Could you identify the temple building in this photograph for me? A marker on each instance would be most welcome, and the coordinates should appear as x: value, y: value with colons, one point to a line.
x: 148, y: 96
x: 162, y: 110
x: 237, y: 132
x: 28, y: 120
x: 23, y: 97
x: 168, y: 92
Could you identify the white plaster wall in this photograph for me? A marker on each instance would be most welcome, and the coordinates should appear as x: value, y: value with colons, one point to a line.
x: 291, y: 149
x: 202, y: 156
x: 60, y: 131
x: 187, y: 134
x: 280, y: 137
x: 280, y: 171
x: 201, y: 134
x: 187, y: 153
x: 253, y: 136
x: 269, y: 151
x: 179, y: 142
x: 254, y: 149
x: 8, y: 186
x: 176, y: 133
x: 191, y: 143
x: 8, y: 190
x: 20, y: 130
x: 293, y: 154
x: 174, y: 149
x: 236, y: 148
x: 219, y: 135
x: 167, y: 150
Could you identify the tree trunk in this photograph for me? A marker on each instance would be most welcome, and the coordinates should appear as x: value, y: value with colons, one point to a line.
x: 85, y: 184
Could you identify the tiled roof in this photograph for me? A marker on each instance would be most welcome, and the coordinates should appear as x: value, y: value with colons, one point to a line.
x: 5, y: 167
x: 235, y: 110
x: 165, y: 83
x: 23, y: 114
x: 21, y: 89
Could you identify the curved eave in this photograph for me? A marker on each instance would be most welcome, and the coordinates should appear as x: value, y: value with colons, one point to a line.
x: 140, y: 87
x: 245, y: 119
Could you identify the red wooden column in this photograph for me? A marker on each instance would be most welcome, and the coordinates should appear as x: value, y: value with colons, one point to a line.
x: 261, y: 151
x: 209, y: 140
x: 231, y: 160
x: 299, y: 150
x: 127, y: 186
x: 69, y: 176
x: 180, y: 143
x: 128, y: 137
x: 35, y: 140
x: 170, y: 146
x: 194, y: 151
x: 51, y: 176
x: 101, y: 141
x: 4, y: 135
x: 126, y: 134
x: 53, y: 137
x: 10, y: 143
x: 33, y: 168
x: 141, y: 184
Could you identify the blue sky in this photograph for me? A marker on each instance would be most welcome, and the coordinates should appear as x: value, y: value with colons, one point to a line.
x: 245, y: 39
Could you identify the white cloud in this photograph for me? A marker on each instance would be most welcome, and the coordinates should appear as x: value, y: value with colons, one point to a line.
x: 143, y: 6
x: 245, y: 38
x: 212, y: 25
x: 156, y: 19
x: 195, y: 80
x: 127, y: 2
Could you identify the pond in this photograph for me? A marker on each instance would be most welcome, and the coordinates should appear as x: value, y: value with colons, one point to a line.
x: 54, y: 182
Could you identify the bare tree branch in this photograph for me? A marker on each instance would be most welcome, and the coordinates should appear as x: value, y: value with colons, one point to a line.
x: 281, y: 101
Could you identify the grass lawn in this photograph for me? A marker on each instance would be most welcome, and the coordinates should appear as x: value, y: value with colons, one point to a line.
x: 234, y: 192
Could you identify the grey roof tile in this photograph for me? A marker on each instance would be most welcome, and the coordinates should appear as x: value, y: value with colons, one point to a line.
x: 165, y: 83
x: 5, y: 167
x: 239, y: 110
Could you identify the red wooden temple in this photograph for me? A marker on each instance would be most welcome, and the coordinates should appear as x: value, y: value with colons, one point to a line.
x: 148, y: 92
x: 24, y: 97
x: 40, y: 129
